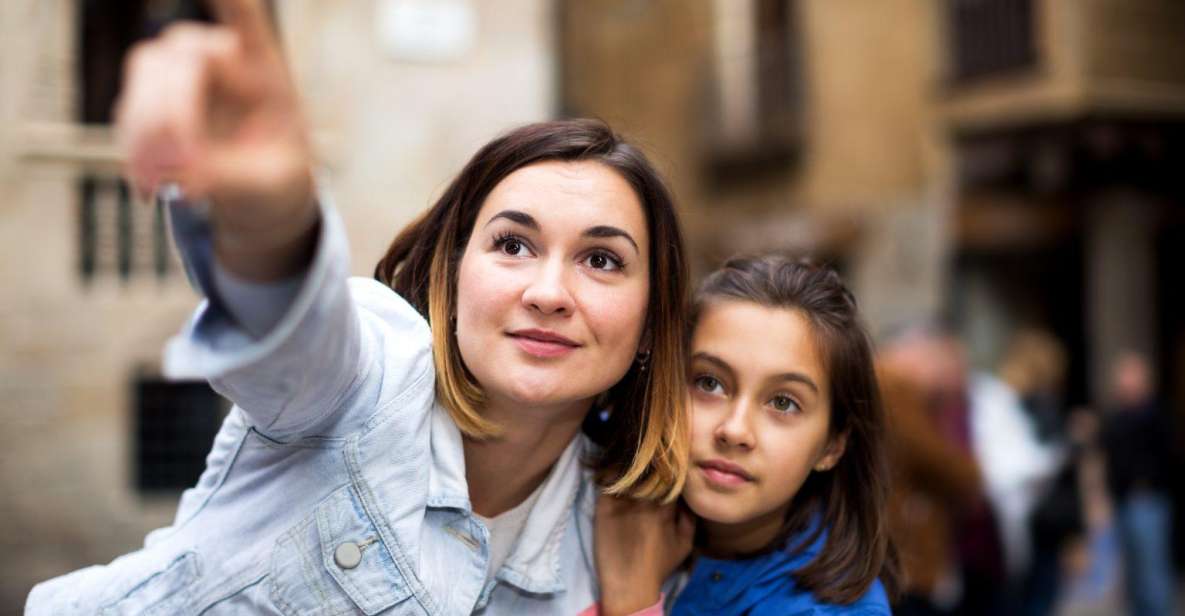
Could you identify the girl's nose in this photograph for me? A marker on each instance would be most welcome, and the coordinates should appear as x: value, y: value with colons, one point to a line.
x: 734, y: 429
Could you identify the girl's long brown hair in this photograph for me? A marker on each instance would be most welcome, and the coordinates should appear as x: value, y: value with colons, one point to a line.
x: 646, y: 453
x: 850, y: 499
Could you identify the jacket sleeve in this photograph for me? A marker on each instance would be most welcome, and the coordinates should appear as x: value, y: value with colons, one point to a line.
x: 292, y: 376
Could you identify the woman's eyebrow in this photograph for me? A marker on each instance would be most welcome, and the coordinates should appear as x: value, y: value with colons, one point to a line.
x: 606, y: 231
x: 720, y: 364
x: 515, y: 216
x: 599, y: 231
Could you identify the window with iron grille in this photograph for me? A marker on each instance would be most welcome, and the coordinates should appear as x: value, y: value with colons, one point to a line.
x: 108, y: 29
x: 757, y: 122
x: 117, y: 237
x: 991, y: 37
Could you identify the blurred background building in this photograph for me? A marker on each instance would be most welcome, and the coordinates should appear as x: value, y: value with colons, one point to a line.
x: 999, y: 165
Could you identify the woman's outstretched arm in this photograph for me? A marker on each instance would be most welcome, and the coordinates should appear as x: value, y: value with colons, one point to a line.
x: 212, y: 111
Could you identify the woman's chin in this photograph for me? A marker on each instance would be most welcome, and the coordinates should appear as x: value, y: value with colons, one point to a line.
x: 532, y: 386
x: 540, y: 392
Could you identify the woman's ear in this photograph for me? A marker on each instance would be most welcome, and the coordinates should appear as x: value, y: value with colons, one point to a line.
x: 832, y: 453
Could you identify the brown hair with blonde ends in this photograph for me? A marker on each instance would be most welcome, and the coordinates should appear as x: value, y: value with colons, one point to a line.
x: 848, y: 500
x: 645, y: 454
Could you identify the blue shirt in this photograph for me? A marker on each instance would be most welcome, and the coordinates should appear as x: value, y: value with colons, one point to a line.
x: 337, y: 483
x: 764, y: 586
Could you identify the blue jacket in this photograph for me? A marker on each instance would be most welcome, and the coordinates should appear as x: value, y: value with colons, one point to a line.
x: 764, y: 586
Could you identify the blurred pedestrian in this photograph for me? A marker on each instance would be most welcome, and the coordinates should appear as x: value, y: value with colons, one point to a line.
x: 941, y: 519
x: 1047, y: 521
x: 1136, y: 439
x: 934, y: 481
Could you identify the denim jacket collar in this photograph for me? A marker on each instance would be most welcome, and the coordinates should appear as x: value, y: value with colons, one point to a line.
x: 534, y: 563
x: 447, y: 487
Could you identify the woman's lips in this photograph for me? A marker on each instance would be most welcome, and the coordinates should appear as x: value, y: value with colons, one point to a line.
x: 543, y: 344
x: 724, y: 474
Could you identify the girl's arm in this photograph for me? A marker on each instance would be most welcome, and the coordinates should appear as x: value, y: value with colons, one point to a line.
x: 653, y: 610
x: 638, y: 546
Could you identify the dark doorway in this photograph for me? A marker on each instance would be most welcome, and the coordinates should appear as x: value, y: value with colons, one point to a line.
x: 1171, y: 352
x: 1040, y: 287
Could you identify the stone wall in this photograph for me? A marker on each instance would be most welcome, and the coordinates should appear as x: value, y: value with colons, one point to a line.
x: 870, y: 152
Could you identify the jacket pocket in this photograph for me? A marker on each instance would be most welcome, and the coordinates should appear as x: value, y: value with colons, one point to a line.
x: 334, y: 562
x: 166, y: 592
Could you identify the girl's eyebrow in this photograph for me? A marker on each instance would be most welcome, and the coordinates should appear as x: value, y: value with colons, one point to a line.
x: 797, y: 377
x: 528, y: 221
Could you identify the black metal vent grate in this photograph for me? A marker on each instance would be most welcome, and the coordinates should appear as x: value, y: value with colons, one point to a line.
x: 174, y: 427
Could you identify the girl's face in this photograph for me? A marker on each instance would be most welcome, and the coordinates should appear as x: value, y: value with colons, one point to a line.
x: 553, y: 286
x: 760, y: 415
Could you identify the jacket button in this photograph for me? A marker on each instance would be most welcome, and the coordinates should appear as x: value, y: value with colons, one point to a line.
x: 347, y: 555
x: 717, y: 576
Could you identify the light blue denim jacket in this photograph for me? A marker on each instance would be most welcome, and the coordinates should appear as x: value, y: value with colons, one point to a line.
x: 335, y: 446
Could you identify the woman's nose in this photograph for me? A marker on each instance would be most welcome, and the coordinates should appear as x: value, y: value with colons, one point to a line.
x: 548, y: 290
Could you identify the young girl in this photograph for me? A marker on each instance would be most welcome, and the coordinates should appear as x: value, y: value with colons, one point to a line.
x: 788, y: 477
x: 409, y: 444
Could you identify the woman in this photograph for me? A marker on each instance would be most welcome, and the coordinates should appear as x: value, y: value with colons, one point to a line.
x: 788, y: 480
x: 410, y: 444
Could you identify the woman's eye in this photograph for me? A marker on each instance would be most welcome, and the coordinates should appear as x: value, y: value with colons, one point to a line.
x: 603, y: 261
x: 784, y: 404
x: 708, y: 384
x: 511, y: 246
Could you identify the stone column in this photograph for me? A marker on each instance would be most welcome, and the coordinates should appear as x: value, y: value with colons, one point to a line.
x: 1120, y: 282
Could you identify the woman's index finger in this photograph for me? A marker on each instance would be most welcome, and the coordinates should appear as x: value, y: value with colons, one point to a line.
x: 251, y: 19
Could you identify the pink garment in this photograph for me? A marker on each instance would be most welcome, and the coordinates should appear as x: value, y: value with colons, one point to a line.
x: 654, y: 610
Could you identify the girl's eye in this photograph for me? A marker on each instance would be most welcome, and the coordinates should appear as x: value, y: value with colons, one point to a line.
x: 603, y: 261
x: 511, y: 245
x: 784, y: 404
x: 708, y: 384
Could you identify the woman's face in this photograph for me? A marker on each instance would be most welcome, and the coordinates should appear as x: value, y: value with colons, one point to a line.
x: 553, y: 286
x: 760, y: 414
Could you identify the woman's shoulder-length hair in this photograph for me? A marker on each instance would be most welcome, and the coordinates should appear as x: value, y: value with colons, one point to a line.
x: 849, y: 500
x: 646, y: 453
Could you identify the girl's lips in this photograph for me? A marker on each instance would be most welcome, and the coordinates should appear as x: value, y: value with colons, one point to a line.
x: 723, y: 474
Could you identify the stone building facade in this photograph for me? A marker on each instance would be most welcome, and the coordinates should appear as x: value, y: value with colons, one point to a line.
x: 1002, y: 163
x: 1018, y: 173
